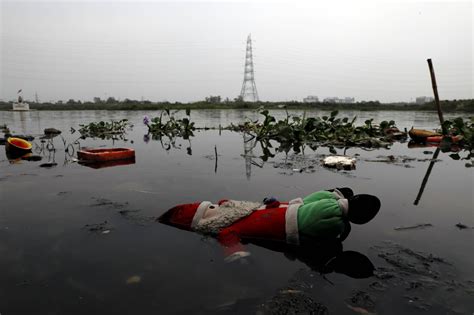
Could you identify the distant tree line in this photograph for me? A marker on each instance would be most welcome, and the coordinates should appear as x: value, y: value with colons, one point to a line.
x: 216, y: 102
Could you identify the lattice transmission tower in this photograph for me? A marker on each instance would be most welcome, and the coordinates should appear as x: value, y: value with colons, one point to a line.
x: 249, y: 89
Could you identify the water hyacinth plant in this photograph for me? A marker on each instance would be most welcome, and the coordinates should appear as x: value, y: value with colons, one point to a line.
x: 166, y: 124
x: 146, y: 120
x: 322, y: 131
x: 464, y: 130
x: 105, y: 130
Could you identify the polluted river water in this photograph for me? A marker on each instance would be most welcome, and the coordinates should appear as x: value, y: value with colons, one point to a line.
x: 81, y: 240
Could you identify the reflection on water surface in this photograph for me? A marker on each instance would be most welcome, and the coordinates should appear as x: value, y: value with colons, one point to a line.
x: 52, y: 262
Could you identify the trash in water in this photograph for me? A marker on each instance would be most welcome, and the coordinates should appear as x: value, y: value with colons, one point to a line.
x: 236, y: 216
x: 412, y: 227
x: 24, y: 137
x: 339, y: 162
x: 51, y: 131
x: 48, y: 165
x: 462, y: 226
x: 107, y: 154
x: 98, y: 227
x: 17, y: 146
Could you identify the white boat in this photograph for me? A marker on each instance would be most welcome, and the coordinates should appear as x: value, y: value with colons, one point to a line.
x: 21, y: 106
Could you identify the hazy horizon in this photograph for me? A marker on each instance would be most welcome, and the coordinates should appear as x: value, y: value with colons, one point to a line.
x: 187, y: 50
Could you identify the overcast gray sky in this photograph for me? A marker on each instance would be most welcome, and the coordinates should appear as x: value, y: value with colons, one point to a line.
x: 187, y: 50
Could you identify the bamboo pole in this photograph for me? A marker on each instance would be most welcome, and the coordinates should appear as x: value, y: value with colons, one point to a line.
x: 441, y: 120
x: 435, y: 92
x: 427, y: 175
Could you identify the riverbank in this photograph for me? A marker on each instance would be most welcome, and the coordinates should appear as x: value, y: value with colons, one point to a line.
x: 447, y: 106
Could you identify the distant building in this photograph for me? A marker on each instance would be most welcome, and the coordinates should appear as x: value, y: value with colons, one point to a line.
x: 348, y: 100
x: 423, y: 99
x: 311, y: 99
x: 330, y: 100
x: 345, y: 100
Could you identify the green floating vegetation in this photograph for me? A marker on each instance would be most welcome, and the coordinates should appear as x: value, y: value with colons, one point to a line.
x: 463, y: 128
x: 166, y: 124
x: 293, y: 131
x: 115, y: 130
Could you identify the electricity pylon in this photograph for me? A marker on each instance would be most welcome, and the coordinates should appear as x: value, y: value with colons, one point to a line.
x: 249, y: 89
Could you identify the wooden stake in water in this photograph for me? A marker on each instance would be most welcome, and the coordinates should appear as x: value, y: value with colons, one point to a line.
x: 215, y: 165
x: 441, y: 120
x: 435, y: 91
x: 427, y: 175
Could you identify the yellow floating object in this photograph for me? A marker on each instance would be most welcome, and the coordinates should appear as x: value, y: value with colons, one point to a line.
x: 18, y: 144
x: 420, y: 135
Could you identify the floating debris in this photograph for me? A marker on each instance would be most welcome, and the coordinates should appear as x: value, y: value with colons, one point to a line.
x: 463, y: 226
x: 105, y: 130
x: 330, y: 130
x: 52, y: 131
x: 339, y: 162
x: 99, y: 228
x: 393, y: 159
x: 413, y: 227
x: 24, y: 137
x: 48, y: 165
